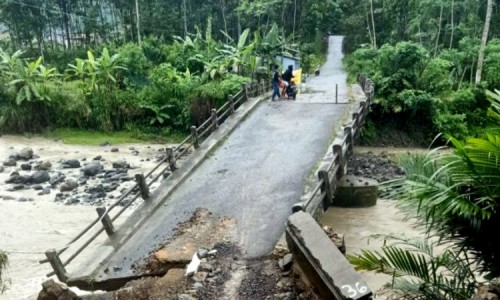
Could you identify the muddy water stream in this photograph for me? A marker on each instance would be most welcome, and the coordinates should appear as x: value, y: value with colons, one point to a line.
x: 29, y: 228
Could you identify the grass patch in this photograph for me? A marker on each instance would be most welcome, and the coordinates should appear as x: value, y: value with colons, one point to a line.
x: 89, y: 137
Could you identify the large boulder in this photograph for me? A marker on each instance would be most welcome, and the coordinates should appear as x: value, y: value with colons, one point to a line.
x: 11, y: 162
x: 69, y: 185
x: 15, y: 178
x: 71, y: 164
x: 25, y: 154
x: 52, y: 290
x: 46, y: 165
x: 40, y: 177
x: 92, y: 169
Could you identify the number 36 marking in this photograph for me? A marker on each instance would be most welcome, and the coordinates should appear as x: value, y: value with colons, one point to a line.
x: 352, y: 292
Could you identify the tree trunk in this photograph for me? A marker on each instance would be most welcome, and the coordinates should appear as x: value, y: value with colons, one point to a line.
x: 294, y: 18
x: 137, y: 22
x: 452, y: 22
x: 439, y: 29
x: 223, y: 11
x: 373, y: 25
x: 64, y: 11
x: 185, y: 18
x: 484, y: 39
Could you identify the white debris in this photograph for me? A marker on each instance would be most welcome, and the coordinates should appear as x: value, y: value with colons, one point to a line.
x: 192, y: 268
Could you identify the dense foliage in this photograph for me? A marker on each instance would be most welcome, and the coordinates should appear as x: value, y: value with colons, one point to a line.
x: 92, y: 65
x: 425, y: 58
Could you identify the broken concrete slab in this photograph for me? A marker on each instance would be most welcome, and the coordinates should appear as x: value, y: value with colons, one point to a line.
x: 321, y: 261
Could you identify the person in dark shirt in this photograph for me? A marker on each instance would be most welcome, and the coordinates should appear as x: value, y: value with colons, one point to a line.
x: 276, y: 83
x: 287, y: 77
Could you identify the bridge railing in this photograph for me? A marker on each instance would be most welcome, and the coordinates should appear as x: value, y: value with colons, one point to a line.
x: 328, y: 177
x: 141, y: 189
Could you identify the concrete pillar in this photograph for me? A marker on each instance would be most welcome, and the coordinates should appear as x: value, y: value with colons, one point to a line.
x: 57, y: 265
x: 171, y: 159
x: 194, y: 136
x: 231, y: 103
x: 143, y: 187
x: 213, y: 116
x: 105, y: 220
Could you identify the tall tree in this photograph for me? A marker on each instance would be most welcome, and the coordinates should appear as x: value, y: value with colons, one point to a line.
x: 484, y: 40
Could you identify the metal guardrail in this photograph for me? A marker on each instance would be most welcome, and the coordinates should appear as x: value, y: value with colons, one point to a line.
x: 328, y: 177
x: 142, y: 187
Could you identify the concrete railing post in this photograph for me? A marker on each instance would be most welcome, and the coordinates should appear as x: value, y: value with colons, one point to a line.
x: 213, y: 116
x: 231, y: 103
x: 143, y: 187
x: 337, y: 150
x: 326, y: 188
x: 336, y: 93
x: 56, y: 264
x: 350, y: 140
x: 171, y: 159
x: 194, y: 135
x: 105, y: 220
x: 244, y: 89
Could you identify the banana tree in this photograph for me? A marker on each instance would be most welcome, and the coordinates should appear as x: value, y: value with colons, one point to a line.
x: 29, y: 81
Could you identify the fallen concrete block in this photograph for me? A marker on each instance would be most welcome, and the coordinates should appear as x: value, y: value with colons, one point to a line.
x: 321, y: 261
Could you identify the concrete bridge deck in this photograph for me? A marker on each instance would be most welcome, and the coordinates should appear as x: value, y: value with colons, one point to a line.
x: 256, y: 175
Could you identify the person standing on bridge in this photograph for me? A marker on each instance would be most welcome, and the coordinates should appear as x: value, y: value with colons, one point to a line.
x: 276, y: 83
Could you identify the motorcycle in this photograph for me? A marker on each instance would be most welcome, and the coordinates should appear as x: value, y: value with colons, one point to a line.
x: 291, y: 90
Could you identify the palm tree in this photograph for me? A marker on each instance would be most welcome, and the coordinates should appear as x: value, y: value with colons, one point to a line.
x: 418, y: 272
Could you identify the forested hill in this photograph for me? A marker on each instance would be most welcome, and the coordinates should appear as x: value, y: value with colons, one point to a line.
x: 83, y: 23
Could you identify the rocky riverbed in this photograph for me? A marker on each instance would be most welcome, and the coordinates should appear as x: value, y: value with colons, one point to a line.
x: 49, y: 192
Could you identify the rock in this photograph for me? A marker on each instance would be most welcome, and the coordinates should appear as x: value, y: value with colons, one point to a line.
x: 10, y: 162
x: 2, y: 169
x: 98, y: 157
x: 114, y: 149
x: 166, y: 174
x: 92, y: 169
x: 18, y: 187
x: 121, y: 164
x: 26, y: 167
x: 56, y: 291
x: 135, y: 153
x: 105, y: 143
x: 212, y: 252
x: 25, y: 154
x: 198, y: 285
x: 45, y: 166
x: 19, y: 179
x: 40, y: 177
x: 71, y: 164
x: 202, y: 253
x: 96, y: 191
x: 46, y: 190
x: 200, y: 276
x: 207, y: 267
x: 57, y: 179
x: 286, y: 262
x: 69, y: 185
x: 38, y: 187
